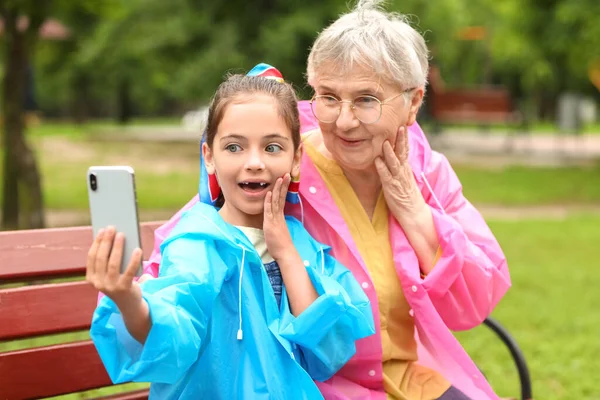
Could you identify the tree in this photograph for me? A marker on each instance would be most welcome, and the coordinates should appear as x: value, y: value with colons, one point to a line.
x: 23, y: 22
x: 22, y: 203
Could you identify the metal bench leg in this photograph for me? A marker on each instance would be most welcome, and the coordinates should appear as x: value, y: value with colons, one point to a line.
x: 516, y: 354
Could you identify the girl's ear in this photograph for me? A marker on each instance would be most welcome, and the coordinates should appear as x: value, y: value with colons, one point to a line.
x: 207, y: 154
x: 297, y: 161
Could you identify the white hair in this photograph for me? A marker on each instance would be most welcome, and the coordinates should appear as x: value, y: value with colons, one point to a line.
x: 371, y: 37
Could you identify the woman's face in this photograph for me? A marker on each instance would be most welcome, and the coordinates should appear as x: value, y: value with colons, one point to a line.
x: 352, y: 143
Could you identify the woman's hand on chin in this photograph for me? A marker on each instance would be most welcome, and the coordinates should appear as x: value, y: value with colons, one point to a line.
x: 405, y: 201
x: 400, y: 189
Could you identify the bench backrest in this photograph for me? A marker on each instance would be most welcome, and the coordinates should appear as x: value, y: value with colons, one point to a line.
x: 42, y: 308
x: 481, y: 103
x: 477, y: 100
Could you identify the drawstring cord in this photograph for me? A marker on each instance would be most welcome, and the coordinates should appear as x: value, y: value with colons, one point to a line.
x: 432, y: 193
x: 240, y: 333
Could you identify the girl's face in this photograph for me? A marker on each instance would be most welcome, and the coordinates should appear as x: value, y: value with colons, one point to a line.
x: 252, y: 148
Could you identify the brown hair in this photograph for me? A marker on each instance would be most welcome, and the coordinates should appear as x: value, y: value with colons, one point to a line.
x: 240, y: 88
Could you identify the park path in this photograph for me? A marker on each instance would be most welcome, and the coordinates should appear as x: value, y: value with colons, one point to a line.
x: 533, y: 149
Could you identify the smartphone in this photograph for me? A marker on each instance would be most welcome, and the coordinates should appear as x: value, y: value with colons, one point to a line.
x: 111, y: 192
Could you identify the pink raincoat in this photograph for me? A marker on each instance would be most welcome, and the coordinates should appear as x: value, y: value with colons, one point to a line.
x: 460, y: 292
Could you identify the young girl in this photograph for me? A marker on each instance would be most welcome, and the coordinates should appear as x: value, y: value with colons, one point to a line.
x: 239, y: 310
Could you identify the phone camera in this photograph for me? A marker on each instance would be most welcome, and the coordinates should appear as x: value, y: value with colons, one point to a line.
x: 93, y: 182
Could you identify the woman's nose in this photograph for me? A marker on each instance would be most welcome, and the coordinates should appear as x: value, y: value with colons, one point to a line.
x: 347, y: 120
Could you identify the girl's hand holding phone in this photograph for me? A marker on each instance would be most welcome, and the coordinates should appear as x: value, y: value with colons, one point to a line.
x: 104, y: 266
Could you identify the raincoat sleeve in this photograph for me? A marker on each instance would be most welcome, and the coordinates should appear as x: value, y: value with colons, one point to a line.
x: 327, y: 330
x: 180, y: 300
x: 471, y: 275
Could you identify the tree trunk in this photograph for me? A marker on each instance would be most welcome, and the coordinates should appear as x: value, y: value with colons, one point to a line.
x: 81, y: 95
x: 125, y: 111
x: 22, y: 204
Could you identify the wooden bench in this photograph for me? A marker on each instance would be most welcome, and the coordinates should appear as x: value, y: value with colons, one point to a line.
x: 43, y: 308
x: 484, y: 105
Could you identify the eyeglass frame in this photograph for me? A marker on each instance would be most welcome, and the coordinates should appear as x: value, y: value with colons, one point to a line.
x: 352, y: 106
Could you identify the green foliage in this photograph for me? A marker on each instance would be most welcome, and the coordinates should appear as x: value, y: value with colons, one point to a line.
x: 173, y: 54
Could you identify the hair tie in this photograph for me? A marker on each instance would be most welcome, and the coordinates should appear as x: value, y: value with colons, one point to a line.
x: 266, y: 71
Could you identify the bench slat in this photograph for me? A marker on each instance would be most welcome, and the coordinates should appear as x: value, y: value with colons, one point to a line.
x: 44, y: 253
x: 137, y: 395
x: 51, y: 371
x: 44, y: 309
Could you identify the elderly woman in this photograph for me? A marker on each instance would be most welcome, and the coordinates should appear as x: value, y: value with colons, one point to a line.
x: 393, y: 211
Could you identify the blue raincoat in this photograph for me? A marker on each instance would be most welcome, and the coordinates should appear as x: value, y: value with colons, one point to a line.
x: 217, y: 332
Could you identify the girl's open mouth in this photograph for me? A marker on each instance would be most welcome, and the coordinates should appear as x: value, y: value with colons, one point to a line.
x: 253, y: 187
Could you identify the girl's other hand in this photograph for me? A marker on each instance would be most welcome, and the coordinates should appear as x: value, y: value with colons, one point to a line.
x: 277, y: 235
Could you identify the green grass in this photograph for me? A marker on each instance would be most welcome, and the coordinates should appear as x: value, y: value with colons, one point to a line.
x: 53, y: 127
x: 166, y: 174
x: 552, y: 309
x: 170, y: 187
x: 67, y: 128
x: 515, y: 185
x: 63, y: 171
x: 66, y: 190
x: 100, y: 393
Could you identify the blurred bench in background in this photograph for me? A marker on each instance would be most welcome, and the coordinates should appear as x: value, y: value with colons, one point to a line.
x: 483, y: 106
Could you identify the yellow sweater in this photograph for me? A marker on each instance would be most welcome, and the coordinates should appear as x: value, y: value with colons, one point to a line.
x: 403, y: 378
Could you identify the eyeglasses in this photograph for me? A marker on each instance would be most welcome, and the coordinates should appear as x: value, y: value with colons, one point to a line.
x: 367, y: 109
